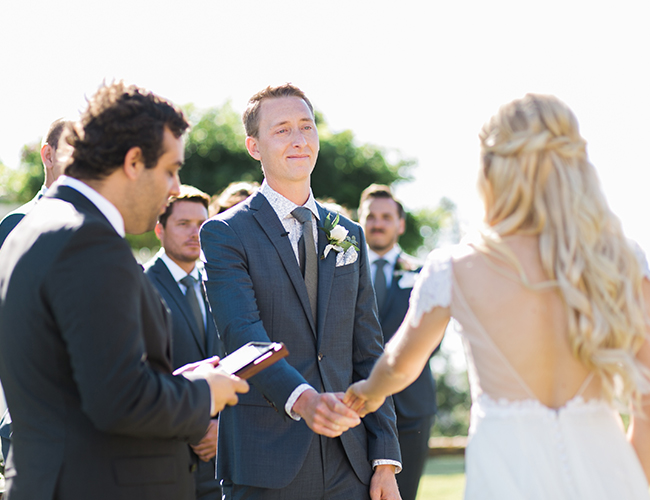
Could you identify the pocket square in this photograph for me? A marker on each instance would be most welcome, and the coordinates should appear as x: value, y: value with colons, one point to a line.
x: 350, y: 256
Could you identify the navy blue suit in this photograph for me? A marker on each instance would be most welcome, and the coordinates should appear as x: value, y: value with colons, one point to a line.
x: 187, y: 347
x: 257, y: 292
x: 416, y: 405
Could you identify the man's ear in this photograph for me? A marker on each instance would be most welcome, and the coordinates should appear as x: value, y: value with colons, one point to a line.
x: 159, y: 230
x: 253, y: 149
x: 133, y: 163
x: 47, y: 156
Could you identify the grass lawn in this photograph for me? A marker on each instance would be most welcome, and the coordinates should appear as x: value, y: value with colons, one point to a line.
x: 443, y: 479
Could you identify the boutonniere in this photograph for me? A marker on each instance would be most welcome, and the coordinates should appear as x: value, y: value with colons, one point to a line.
x: 337, y: 236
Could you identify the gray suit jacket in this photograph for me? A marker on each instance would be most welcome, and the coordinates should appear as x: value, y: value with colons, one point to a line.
x: 257, y: 292
x: 85, y: 360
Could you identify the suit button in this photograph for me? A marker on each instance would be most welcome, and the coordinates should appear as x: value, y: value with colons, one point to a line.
x: 320, y: 356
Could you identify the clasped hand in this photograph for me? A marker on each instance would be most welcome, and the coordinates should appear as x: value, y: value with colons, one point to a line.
x: 357, y: 399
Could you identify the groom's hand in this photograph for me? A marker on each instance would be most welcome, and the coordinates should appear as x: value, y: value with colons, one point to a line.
x: 325, y: 413
x: 383, y: 485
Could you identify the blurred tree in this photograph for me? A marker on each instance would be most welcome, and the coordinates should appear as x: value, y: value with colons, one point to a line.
x: 21, y: 185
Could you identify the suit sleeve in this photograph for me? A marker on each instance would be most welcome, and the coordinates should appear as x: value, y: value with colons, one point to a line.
x: 232, y: 299
x: 97, y: 299
x: 381, y: 425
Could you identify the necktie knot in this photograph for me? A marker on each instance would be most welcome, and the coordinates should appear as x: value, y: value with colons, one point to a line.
x: 188, y: 282
x: 380, y: 263
x: 302, y: 214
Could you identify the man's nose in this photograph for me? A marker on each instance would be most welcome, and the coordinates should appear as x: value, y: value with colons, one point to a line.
x: 299, y: 139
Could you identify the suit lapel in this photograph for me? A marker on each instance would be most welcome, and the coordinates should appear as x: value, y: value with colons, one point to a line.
x: 169, y: 283
x: 271, y: 225
x: 325, y: 272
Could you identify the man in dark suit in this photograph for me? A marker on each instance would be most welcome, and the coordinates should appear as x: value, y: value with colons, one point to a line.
x: 291, y: 437
x: 53, y: 158
x: 85, y: 340
x: 383, y: 220
x: 194, y: 336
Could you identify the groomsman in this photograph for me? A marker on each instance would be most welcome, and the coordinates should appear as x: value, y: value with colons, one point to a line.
x: 55, y: 152
x: 176, y: 276
x: 383, y: 220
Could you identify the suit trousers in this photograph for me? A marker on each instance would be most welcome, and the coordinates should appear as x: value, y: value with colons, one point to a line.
x: 414, y: 444
x: 326, y: 475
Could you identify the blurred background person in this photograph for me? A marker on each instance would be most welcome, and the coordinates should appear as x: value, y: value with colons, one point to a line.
x: 55, y: 153
x: 552, y: 302
x: 234, y: 193
x: 393, y: 274
x: 174, y: 273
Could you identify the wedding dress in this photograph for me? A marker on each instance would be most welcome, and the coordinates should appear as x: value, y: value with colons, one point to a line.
x: 517, y: 447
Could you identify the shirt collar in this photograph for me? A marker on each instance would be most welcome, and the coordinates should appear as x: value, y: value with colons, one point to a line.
x: 282, y: 206
x: 176, y: 271
x: 390, y: 257
x: 109, y: 210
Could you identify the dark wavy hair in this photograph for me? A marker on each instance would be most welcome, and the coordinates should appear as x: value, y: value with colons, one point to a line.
x: 118, y: 118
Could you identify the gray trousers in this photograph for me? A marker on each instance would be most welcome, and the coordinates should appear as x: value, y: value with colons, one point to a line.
x: 326, y: 475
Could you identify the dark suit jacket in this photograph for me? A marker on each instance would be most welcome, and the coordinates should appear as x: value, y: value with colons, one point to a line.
x: 257, y: 292
x: 12, y: 219
x: 85, y: 360
x: 187, y: 343
x: 419, y: 398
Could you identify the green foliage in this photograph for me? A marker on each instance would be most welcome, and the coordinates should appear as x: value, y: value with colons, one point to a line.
x: 215, y: 152
x: 21, y: 185
x: 424, y: 227
x: 453, y: 399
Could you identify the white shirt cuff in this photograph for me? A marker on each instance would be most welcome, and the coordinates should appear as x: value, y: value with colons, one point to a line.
x: 398, y: 466
x: 288, y: 407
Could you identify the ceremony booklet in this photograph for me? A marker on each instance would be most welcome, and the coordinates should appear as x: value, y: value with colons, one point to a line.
x: 246, y: 361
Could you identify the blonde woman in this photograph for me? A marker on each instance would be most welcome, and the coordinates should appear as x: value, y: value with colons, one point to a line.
x: 551, y: 303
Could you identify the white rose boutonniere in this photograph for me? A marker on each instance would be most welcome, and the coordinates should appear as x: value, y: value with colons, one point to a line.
x: 337, y: 236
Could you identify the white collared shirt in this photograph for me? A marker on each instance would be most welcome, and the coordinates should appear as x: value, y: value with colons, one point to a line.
x: 283, y: 208
x: 390, y: 257
x: 109, y: 210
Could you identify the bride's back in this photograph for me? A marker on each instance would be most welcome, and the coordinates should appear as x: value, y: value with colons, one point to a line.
x: 528, y: 327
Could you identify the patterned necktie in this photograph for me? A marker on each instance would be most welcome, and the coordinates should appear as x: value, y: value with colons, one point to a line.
x: 188, y: 281
x: 380, y: 282
x: 307, y: 249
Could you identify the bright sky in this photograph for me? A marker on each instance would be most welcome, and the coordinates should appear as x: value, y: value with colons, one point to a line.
x: 420, y: 76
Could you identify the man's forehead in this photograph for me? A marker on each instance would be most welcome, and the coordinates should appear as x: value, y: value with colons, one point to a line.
x: 276, y: 110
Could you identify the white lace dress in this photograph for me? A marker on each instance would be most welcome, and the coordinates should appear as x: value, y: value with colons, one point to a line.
x: 518, y: 448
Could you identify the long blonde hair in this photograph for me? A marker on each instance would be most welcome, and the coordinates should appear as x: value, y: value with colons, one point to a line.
x: 536, y: 180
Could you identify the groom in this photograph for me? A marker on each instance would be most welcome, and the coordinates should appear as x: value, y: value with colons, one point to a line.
x: 268, y: 279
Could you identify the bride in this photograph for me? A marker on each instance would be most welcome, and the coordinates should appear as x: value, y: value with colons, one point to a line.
x: 551, y: 302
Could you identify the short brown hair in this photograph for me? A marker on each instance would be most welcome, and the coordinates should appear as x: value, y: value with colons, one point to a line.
x: 187, y: 193
x: 54, y: 132
x: 251, y: 117
x: 233, y: 194
x: 118, y: 118
x: 381, y: 191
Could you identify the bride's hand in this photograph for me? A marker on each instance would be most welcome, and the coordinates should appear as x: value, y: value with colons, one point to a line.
x: 356, y: 400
